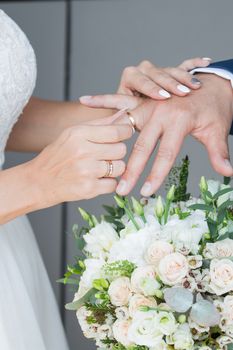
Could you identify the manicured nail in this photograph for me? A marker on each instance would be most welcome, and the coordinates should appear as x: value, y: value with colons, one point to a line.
x: 122, y: 187
x: 207, y: 59
x: 84, y: 99
x: 195, y: 81
x: 228, y: 164
x: 164, y: 93
x: 146, y: 189
x: 183, y: 88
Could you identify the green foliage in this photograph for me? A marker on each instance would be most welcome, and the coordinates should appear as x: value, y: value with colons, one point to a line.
x: 179, y: 177
x: 100, y: 311
x: 114, y: 216
x: 118, y: 269
x: 75, y: 305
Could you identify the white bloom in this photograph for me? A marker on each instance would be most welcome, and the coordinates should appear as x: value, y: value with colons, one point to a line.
x: 221, y: 276
x: 89, y: 330
x: 160, y: 345
x: 224, y: 340
x: 133, y: 247
x: 92, y: 272
x: 219, y: 249
x: 100, y: 239
x: 143, y: 280
x: 104, y: 331
x: 194, y: 261
x: 166, y: 322
x: 144, y: 329
x: 129, y: 226
x: 120, y: 291
x: 213, y: 186
x: 120, y: 331
x: 122, y: 313
x: 156, y: 251
x: 173, y: 268
x: 138, y: 300
x: 182, y: 338
x: 227, y: 311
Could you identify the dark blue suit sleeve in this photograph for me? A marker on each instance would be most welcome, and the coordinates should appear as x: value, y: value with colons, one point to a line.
x: 227, y: 65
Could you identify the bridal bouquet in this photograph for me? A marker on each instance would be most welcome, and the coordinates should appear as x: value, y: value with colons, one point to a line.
x: 158, y: 273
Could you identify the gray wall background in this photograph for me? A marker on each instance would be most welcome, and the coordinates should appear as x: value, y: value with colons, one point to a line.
x: 107, y: 36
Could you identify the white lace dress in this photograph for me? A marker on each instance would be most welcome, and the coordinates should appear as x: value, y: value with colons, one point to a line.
x: 29, y: 318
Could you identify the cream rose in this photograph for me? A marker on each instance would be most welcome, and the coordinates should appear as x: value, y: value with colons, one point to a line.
x: 120, y: 291
x: 157, y: 251
x: 173, y: 268
x: 221, y: 276
x: 143, y: 280
x: 138, y: 300
x: 219, y: 249
x: 120, y: 330
x: 228, y: 309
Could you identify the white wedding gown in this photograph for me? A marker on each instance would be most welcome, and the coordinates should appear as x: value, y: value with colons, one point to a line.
x: 29, y: 318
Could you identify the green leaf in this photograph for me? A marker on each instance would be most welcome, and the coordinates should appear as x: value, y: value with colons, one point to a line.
x: 225, y: 205
x: 110, y: 210
x: 226, y: 180
x: 222, y: 192
x: 213, y: 228
x: 75, y: 305
x: 225, y: 236
x: 230, y: 346
x: 200, y: 206
x: 73, y: 281
x: 80, y: 243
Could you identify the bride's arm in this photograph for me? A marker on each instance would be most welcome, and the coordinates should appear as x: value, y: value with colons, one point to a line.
x: 43, y: 121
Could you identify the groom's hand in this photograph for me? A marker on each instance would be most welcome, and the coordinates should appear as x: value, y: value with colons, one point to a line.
x: 206, y: 114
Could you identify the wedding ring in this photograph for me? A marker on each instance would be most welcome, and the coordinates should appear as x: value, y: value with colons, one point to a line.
x: 132, y: 121
x: 109, y: 171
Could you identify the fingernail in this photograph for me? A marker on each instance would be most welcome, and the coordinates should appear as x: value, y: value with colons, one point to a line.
x: 183, y: 88
x: 122, y: 187
x: 146, y: 189
x: 164, y: 93
x: 228, y: 164
x: 207, y: 59
x: 85, y: 99
x: 195, y: 81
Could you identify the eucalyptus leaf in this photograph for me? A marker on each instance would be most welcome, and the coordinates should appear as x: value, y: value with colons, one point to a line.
x: 73, y: 281
x: 230, y: 346
x: 179, y: 299
x: 225, y: 236
x: 205, y: 314
x: 222, y: 192
x: 80, y: 243
x: 200, y: 206
x: 75, y: 305
x: 225, y: 205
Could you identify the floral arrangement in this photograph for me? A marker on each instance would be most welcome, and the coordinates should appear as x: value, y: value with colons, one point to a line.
x: 158, y: 273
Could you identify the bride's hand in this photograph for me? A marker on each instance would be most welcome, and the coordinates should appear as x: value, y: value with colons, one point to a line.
x: 148, y: 80
x: 74, y: 166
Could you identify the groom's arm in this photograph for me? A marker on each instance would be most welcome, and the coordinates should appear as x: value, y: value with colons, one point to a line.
x: 223, y: 69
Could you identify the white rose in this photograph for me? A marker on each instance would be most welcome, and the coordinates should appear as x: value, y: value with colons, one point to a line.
x: 120, y: 331
x: 157, y: 251
x: 120, y: 291
x: 173, y: 268
x: 100, y: 239
x: 133, y: 247
x: 143, y: 280
x: 138, y: 300
x: 182, y: 338
x: 219, y: 249
x: 144, y: 329
x: 221, y: 276
x: 160, y: 345
x: 92, y: 271
x: 166, y: 323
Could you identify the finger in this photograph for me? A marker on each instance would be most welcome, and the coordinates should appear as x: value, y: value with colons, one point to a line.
x: 108, y: 133
x: 115, y: 101
x: 142, y: 150
x: 109, y: 151
x: 194, y: 63
x: 102, y: 168
x: 217, y: 148
x: 167, y: 82
x: 169, y: 148
x: 111, y: 119
x: 183, y: 77
x: 104, y: 186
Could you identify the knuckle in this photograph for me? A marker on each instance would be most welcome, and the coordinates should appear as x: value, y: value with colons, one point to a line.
x: 129, y: 71
x: 141, y: 146
x: 165, y: 154
x: 145, y: 64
